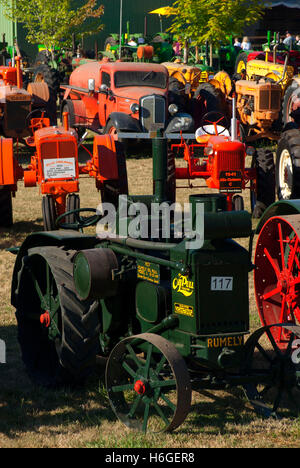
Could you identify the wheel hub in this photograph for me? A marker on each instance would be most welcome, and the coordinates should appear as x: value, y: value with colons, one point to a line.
x: 45, y: 319
x: 140, y: 387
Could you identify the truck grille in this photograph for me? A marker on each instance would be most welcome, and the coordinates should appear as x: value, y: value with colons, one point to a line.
x: 152, y: 111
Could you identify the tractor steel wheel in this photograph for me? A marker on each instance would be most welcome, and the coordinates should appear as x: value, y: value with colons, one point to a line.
x: 111, y: 189
x: 288, y: 165
x: 275, y: 372
x: 49, y: 213
x: 149, y: 392
x: 6, y: 209
x: 277, y: 273
x: 57, y: 333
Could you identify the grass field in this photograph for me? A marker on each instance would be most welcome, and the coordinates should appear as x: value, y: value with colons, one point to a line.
x: 35, y: 417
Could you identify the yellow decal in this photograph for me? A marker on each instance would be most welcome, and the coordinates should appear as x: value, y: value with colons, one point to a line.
x: 182, y: 285
x: 184, y: 309
x: 224, y: 341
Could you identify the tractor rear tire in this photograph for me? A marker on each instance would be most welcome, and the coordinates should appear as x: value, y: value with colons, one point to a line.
x: 111, y: 189
x: 63, y: 350
x: 288, y: 165
x: 49, y: 213
x: 6, y: 209
x: 291, y: 94
x: 265, y: 181
x: 240, y: 63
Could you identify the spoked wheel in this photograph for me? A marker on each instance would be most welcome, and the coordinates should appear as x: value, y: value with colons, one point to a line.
x: 287, y: 165
x: 58, y: 333
x: 277, y: 274
x: 275, y: 372
x: 148, y: 383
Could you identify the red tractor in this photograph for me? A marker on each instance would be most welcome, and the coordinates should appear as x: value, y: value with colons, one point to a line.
x: 122, y: 97
x: 54, y: 167
x: 219, y: 158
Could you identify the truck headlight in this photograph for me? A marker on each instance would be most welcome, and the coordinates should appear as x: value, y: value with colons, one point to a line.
x: 134, y: 108
x: 181, y: 122
x: 173, y: 109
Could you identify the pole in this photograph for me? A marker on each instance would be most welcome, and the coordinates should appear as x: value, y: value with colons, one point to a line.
x: 120, y: 38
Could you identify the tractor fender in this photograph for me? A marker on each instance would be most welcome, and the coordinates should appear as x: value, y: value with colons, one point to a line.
x: 279, y: 208
x: 123, y: 122
x: 70, y: 239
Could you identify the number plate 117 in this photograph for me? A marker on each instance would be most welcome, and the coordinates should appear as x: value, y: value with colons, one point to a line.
x: 221, y: 283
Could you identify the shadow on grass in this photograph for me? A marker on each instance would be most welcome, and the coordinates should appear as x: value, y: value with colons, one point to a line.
x: 10, y: 236
x: 25, y: 407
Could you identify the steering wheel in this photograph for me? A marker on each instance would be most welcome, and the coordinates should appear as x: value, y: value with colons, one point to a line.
x: 33, y: 126
x: 214, y: 118
x: 80, y: 221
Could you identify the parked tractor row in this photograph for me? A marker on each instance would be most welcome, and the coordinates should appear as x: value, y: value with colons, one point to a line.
x: 164, y: 318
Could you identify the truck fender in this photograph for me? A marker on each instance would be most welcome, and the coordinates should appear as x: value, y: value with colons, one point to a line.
x: 124, y: 122
x: 279, y: 208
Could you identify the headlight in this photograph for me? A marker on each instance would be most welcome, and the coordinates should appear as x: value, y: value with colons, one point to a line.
x: 173, y: 109
x: 134, y: 108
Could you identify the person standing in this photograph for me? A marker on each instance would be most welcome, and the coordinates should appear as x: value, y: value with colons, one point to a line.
x: 246, y: 44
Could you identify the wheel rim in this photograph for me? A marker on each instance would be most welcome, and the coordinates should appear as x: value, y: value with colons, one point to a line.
x: 285, y: 175
x: 277, y: 376
x: 241, y: 66
x: 151, y: 393
x: 277, y: 275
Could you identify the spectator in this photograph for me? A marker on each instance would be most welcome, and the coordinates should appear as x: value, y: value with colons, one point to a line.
x: 141, y: 40
x: 177, y: 48
x: 289, y: 40
x: 297, y: 38
x: 246, y: 44
x: 132, y: 42
x: 236, y: 42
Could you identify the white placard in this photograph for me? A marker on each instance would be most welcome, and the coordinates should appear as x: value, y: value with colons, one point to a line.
x: 221, y: 283
x: 59, y: 168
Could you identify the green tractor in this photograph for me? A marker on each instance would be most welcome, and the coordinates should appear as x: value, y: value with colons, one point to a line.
x: 167, y: 313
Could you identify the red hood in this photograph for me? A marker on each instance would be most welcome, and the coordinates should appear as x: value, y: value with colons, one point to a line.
x: 134, y: 93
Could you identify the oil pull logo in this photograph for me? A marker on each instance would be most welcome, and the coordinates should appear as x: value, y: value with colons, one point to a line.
x: 182, y: 285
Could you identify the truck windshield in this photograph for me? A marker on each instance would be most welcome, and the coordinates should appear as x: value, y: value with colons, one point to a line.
x: 140, y: 78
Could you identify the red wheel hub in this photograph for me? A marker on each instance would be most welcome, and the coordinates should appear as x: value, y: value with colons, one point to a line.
x: 139, y: 387
x: 45, y: 319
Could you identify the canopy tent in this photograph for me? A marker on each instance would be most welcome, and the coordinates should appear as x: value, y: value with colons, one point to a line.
x: 286, y: 3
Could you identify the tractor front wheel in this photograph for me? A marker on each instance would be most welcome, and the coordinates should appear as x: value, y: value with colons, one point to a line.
x: 150, y: 392
x: 49, y: 213
x: 288, y: 165
x: 58, y: 333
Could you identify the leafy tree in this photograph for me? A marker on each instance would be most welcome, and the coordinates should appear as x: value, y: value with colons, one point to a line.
x: 213, y: 20
x: 52, y: 22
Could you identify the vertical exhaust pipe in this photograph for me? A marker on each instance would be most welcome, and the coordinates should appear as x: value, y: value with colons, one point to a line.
x: 233, y: 129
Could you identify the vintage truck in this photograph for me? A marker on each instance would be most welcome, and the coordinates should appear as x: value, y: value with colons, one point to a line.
x: 123, y: 96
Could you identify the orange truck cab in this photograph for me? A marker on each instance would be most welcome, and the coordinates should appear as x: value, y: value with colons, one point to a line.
x: 122, y: 97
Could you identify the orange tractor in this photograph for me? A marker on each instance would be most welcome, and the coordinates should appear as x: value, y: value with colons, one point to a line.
x: 219, y: 158
x: 54, y: 167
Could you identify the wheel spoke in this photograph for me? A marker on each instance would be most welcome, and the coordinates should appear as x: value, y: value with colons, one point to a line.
x: 161, y: 413
x: 264, y: 353
x: 291, y: 260
x: 133, y: 355
x: 271, y: 293
x: 128, y: 369
x: 146, y: 417
x: 122, y: 388
x: 134, y: 405
x: 281, y: 245
x: 273, y: 342
x: 169, y: 403
x: 148, y: 360
x: 272, y: 261
x: 277, y: 400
